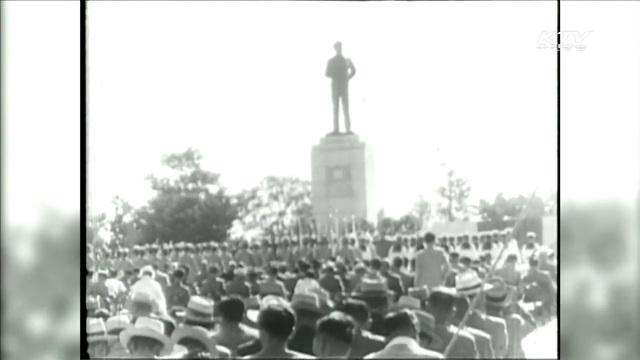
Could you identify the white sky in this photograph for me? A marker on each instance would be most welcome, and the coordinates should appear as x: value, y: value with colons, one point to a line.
x: 244, y: 83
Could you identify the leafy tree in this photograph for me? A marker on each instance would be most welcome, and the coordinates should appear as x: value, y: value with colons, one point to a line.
x: 388, y: 226
x: 551, y: 204
x: 423, y: 210
x: 409, y: 223
x: 118, y: 224
x: 94, y: 224
x: 278, y: 204
x: 454, y: 195
x: 365, y: 226
x: 190, y: 205
x: 510, y: 208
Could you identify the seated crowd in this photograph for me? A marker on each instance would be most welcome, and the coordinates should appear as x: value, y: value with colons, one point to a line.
x: 425, y: 298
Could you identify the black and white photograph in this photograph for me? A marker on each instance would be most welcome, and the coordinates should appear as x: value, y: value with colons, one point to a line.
x: 296, y: 180
x: 331, y: 179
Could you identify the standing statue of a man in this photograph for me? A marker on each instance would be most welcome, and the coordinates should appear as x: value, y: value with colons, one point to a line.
x: 340, y: 70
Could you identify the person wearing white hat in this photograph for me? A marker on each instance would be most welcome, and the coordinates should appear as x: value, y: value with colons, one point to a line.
x: 199, y: 312
x: 149, y: 285
x: 146, y: 339
x: 97, y: 338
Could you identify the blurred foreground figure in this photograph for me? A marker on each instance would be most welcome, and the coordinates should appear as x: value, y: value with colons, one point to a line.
x: 276, y: 322
x: 334, y: 336
x: 542, y: 343
x: 402, y: 341
x: 147, y: 339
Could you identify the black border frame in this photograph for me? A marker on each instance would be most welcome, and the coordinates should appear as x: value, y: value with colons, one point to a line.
x: 84, y: 345
x: 84, y: 178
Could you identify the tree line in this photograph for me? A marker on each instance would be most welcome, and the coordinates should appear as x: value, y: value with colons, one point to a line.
x: 190, y: 204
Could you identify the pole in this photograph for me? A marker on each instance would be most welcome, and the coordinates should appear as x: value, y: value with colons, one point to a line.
x: 353, y: 225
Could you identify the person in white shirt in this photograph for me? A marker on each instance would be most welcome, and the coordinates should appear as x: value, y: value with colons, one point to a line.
x: 432, y: 264
x: 149, y: 285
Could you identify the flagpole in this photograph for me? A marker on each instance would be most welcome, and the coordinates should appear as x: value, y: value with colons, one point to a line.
x: 353, y: 225
x: 328, y: 227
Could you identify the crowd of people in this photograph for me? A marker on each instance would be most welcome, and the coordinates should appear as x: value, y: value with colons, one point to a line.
x: 465, y: 296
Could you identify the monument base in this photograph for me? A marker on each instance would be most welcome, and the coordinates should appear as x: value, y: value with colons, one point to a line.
x: 342, y: 178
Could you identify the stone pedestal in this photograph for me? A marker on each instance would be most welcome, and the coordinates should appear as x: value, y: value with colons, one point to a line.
x: 342, y: 176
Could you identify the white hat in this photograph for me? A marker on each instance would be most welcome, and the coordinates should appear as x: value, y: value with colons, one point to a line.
x: 197, y: 333
x: 149, y: 328
x: 405, y: 302
x: 96, y: 330
x: 469, y: 283
x: 148, y: 269
x: 306, y: 301
x: 252, y: 314
x: 118, y: 322
x: 199, y: 309
x: 145, y: 298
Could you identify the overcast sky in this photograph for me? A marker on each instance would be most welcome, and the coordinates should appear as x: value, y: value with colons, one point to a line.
x: 456, y: 82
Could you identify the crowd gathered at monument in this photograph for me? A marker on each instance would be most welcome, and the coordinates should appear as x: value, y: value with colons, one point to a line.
x: 464, y: 296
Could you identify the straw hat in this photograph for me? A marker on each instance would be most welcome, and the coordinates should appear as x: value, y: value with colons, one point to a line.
x: 501, y: 294
x: 252, y: 314
x: 469, y: 283
x: 197, y: 333
x: 199, y: 309
x: 405, y: 302
x: 373, y: 286
x: 149, y: 328
x: 118, y: 322
x: 144, y: 298
x: 421, y: 293
x: 96, y: 330
x: 305, y: 301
